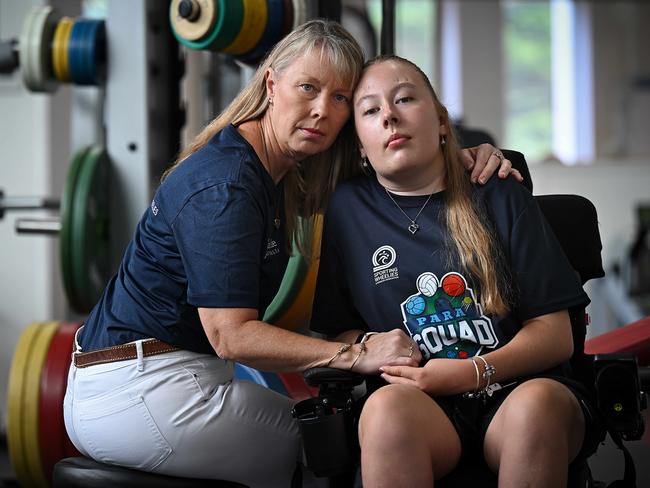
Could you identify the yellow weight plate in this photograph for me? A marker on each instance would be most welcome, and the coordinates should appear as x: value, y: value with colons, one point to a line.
x: 255, y: 16
x: 20, y: 364
x: 60, y: 49
x: 31, y: 403
x: 299, y: 313
x: 197, y: 22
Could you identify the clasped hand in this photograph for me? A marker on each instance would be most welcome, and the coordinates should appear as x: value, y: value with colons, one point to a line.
x: 394, y: 347
x: 438, y: 376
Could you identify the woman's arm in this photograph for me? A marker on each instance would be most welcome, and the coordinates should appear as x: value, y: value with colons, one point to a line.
x: 543, y: 342
x: 236, y: 334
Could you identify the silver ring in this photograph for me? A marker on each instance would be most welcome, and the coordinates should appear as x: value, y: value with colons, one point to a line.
x: 499, y: 155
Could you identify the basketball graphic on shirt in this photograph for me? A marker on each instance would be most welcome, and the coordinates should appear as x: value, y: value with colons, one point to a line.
x: 453, y: 284
x: 445, y: 319
x: 427, y: 284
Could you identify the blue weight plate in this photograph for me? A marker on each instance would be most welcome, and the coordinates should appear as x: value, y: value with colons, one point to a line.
x: 87, y: 52
x: 263, y: 378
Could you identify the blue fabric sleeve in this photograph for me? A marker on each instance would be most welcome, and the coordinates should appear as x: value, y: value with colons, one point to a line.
x: 219, y: 234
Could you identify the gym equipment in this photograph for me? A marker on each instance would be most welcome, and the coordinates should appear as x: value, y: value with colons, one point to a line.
x: 83, y: 225
x: 54, y: 49
x: 35, y: 39
x: 37, y: 379
x: 246, y: 29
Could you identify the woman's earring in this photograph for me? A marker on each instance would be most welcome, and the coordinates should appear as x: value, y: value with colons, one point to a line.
x: 270, y: 100
x: 443, y: 141
x: 364, y: 162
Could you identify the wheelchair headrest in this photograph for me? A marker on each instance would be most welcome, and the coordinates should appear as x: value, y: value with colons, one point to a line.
x: 575, y: 223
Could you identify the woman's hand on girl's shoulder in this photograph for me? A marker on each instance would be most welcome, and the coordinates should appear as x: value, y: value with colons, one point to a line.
x: 484, y: 160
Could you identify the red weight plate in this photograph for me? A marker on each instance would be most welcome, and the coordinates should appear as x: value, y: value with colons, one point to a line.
x: 53, y: 437
x: 296, y: 386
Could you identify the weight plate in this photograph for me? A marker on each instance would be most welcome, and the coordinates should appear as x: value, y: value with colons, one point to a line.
x: 90, y: 229
x: 52, y: 434
x: 272, y: 33
x: 298, y: 312
x: 66, y: 235
x: 292, y: 282
x: 252, y: 28
x: 288, y: 17
x: 60, y: 49
x: 20, y: 364
x: 87, y: 52
x: 263, y: 378
x: 296, y: 386
x: 229, y: 18
x: 195, y: 29
x: 299, y: 12
x: 30, y: 426
x: 34, y: 46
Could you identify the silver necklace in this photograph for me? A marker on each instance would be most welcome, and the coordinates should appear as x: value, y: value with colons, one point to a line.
x: 276, y: 220
x: 413, y: 226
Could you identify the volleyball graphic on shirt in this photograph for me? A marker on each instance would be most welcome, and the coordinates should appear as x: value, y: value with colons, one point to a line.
x: 445, y: 319
x: 427, y: 284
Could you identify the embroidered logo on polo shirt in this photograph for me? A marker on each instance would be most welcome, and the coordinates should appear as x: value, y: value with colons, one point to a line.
x: 272, y: 248
x: 382, y: 261
x: 445, y: 320
x: 154, y: 207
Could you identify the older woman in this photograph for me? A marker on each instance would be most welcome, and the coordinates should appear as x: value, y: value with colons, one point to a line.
x: 151, y: 386
x: 476, y: 278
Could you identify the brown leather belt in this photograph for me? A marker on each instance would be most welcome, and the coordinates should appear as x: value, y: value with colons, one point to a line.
x: 123, y: 352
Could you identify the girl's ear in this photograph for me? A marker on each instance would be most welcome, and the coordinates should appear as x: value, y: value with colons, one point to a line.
x: 444, y: 130
x: 362, y: 152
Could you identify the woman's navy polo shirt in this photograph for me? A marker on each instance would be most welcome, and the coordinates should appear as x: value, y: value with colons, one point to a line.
x: 207, y: 240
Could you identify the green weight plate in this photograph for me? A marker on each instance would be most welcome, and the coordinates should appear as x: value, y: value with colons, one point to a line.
x: 35, y: 48
x: 20, y: 364
x: 66, y: 237
x: 90, y: 229
x: 292, y: 281
x: 31, y: 403
x: 255, y: 18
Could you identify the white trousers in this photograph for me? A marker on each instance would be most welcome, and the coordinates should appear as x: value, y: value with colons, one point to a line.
x: 180, y: 413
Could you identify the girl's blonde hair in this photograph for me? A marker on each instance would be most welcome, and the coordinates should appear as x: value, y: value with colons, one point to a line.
x: 307, y: 187
x: 473, y: 237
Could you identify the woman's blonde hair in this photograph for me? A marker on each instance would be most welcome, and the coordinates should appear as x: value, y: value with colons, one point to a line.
x: 474, y: 239
x: 307, y: 187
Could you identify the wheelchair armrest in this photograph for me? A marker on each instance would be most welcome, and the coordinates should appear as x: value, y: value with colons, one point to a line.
x: 333, y: 378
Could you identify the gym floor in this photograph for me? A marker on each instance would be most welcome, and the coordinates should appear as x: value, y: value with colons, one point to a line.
x: 606, y: 465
